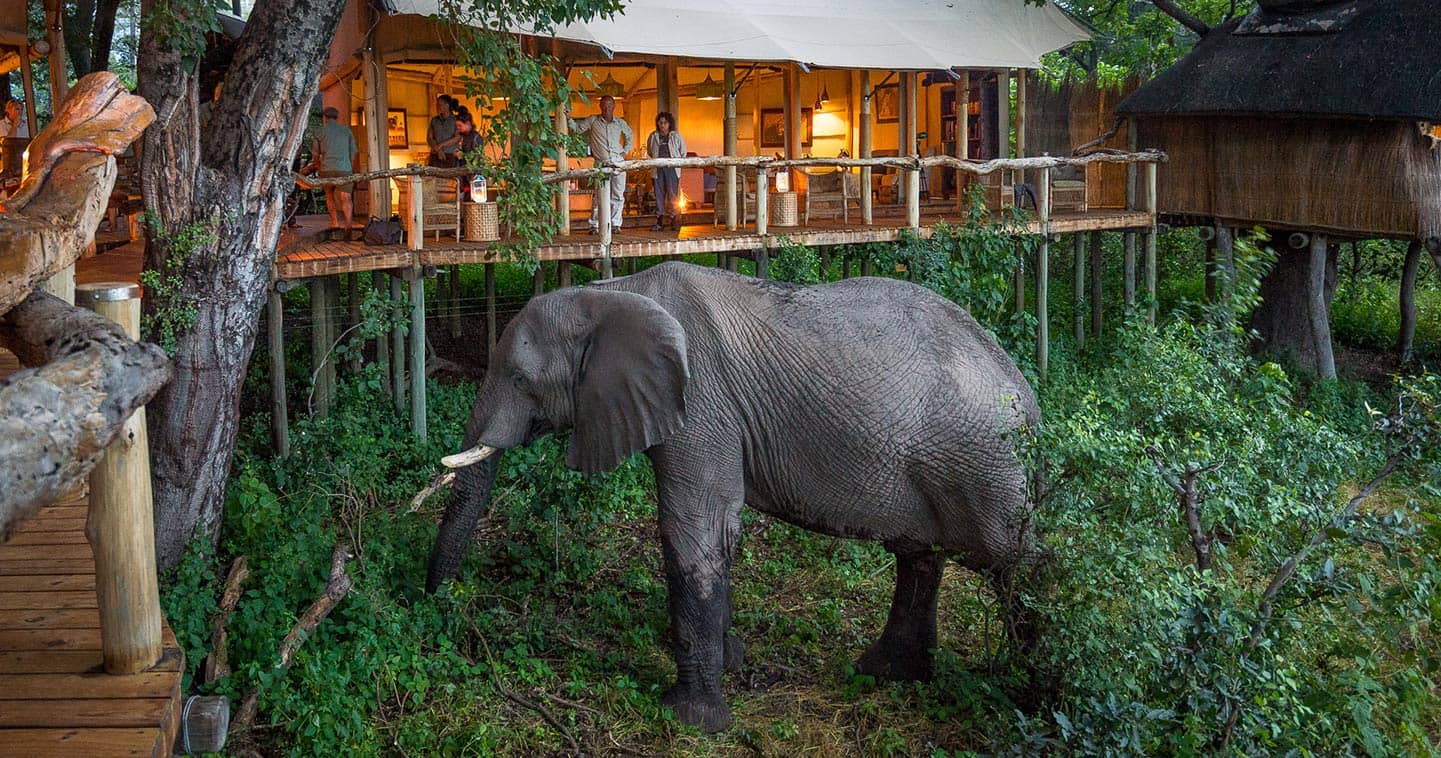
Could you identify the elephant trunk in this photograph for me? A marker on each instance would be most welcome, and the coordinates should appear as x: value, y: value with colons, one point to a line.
x: 468, y: 502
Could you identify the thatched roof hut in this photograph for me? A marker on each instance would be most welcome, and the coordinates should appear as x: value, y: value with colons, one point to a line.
x: 1304, y: 114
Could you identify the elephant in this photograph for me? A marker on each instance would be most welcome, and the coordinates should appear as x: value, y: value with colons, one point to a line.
x: 866, y: 408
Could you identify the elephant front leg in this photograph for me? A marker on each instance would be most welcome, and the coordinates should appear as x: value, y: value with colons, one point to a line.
x: 700, y: 522
x: 905, y: 650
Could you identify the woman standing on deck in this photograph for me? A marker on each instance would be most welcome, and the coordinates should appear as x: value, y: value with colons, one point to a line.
x: 666, y: 142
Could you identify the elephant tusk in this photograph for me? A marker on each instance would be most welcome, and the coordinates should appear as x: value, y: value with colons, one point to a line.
x: 473, y: 455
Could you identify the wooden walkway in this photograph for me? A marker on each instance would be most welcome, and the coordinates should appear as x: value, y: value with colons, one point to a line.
x: 55, y: 697
x: 302, y: 256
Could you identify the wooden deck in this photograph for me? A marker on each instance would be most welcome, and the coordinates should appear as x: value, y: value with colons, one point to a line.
x: 302, y: 256
x: 55, y: 697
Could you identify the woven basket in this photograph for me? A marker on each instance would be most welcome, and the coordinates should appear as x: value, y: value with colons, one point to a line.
x: 482, y: 222
x: 783, y: 209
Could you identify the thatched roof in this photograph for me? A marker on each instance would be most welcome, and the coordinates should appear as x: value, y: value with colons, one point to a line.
x: 1362, y: 58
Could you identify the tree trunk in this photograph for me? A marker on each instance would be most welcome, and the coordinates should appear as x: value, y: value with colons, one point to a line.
x: 233, y: 185
x: 1293, y: 319
x: 79, y: 24
x: 103, y: 34
x: 1406, y: 337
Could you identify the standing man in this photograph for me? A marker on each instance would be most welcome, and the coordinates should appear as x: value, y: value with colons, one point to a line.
x: 440, y: 135
x: 610, y: 139
x: 335, y: 152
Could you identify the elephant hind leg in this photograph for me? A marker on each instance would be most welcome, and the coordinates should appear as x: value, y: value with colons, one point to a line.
x: 906, y: 649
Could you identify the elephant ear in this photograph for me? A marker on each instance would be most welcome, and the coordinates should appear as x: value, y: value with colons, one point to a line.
x: 630, y: 388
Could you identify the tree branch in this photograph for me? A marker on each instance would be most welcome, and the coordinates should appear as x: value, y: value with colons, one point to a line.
x: 57, y: 420
x: 1185, y: 18
x: 216, y: 665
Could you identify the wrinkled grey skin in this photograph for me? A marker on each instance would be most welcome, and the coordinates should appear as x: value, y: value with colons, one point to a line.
x: 866, y: 408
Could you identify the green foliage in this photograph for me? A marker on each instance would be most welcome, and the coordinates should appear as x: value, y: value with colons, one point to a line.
x: 181, y: 26
x: 1131, y: 40
x: 794, y: 262
x: 529, y: 89
x: 169, y: 311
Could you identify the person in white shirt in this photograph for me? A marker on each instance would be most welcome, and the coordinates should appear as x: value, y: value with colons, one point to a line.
x: 610, y: 139
x: 13, y: 124
x: 666, y: 142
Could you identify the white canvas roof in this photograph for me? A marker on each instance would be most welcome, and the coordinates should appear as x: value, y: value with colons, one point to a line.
x: 874, y: 34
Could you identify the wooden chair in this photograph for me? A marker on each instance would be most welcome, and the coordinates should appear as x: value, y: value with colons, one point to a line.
x: 831, y: 190
x: 440, y: 204
x: 747, y: 211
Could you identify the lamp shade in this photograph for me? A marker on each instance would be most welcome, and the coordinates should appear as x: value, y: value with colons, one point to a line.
x: 710, y: 89
x: 609, y: 86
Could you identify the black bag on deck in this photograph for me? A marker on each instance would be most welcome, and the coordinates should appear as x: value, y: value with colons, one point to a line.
x: 383, y: 232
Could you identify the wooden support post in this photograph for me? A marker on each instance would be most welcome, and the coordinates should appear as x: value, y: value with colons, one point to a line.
x: 1318, y: 309
x: 417, y: 214
x: 377, y: 106
x: 602, y: 195
x: 455, y: 325
x: 120, y: 524
x: 729, y: 136
x: 1003, y: 113
x: 322, y: 335
x: 352, y: 303
x: 27, y: 80
x: 867, y: 211
x: 1043, y: 269
x: 1078, y: 292
x: 417, y: 352
x: 1097, y: 269
x: 490, y: 335
x: 791, y: 95
x: 382, y: 345
x: 763, y: 263
x: 562, y: 163
x: 913, y: 198
x: 397, y: 347
x: 59, y: 71
x: 866, y: 267
x: 538, y: 279
x: 1128, y: 269
x: 763, y: 201
x: 1406, y: 335
x: 963, y: 135
x: 1018, y: 281
x: 562, y: 274
x: 825, y: 267
x: 1226, y: 260
x: 279, y: 410
x: 845, y: 267
x: 1021, y: 79
x: 1151, y: 244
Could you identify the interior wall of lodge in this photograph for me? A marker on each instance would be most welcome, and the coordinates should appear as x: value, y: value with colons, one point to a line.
x: 413, y: 87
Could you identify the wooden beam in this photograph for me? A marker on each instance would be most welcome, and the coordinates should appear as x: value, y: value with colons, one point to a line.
x: 1021, y: 114
x: 1128, y: 269
x: 963, y: 133
x: 730, y: 138
x: 1317, y: 308
x: 120, y: 525
x: 279, y: 408
x: 59, y: 71
x: 1151, y: 243
x: 763, y: 210
x: 1043, y: 317
x: 1078, y: 291
x: 397, y: 347
x: 1003, y: 113
x: 867, y: 211
x: 417, y: 353
x: 377, y: 104
x: 322, y: 335
x: 1097, y: 269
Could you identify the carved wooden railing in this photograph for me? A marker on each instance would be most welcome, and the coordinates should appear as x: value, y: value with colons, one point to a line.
x: 80, y: 401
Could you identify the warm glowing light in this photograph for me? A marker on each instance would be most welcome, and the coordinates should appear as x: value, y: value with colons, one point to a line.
x: 680, y: 202
x: 710, y: 89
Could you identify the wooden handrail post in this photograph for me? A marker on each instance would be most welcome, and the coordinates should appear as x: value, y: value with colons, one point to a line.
x: 763, y: 201
x: 1128, y: 266
x: 913, y: 197
x: 730, y: 138
x: 1043, y: 274
x: 864, y: 149
x: 417, y: 214
x: 562, y: 163
x: 602, y: 196
x: 416, y: 277
x: 121, y: 525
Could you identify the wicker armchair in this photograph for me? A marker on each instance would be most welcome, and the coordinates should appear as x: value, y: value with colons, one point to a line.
x: 747, y: 212
x: 831, y: 190
x: 440, y: 204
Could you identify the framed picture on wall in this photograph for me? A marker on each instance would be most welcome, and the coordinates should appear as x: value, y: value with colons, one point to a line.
x: 773, y: 127
x: 886, y: 104
x: 397, y: 133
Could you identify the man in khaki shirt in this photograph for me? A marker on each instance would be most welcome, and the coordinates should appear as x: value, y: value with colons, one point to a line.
x: 610, y: 139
